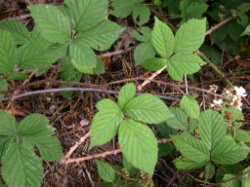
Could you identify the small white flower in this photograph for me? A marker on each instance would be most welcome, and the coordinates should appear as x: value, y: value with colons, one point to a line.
x: 217, y: 102
x: 240, y: 91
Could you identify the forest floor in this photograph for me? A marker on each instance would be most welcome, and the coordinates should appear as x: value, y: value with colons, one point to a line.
x: 72, y: 117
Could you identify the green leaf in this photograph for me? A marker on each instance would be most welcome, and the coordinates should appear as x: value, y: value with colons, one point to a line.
x: 139, y: 145
x: 174, y: 72
x: 192, y: 9
x: 39, y: 53
x: 165, y: 149
x: 148, y: 109
x: 193, y: 149
x: 154, y: 64
x: 122, y: 8
x: 181, y: 64
x: 105, y: 123
x: 3, y: 87
x: 7, y: 124
x: 246, y: 31
x: 35, y: 130
x: 165, y: 130
x: 209, y: 170
x: 235, y: 169
x: 162, y: 39
x: 129, y: 167
x: 143, y: 52
x: 7, y: 52
x: 4, y: 141
x: 179, y: 120
x: 246, y: 179
x: 229, y: 182
x: 99, y: 69
x: 85, y: 14
x: 21, y: 167
x: 212, y: 128
x: 227, y: 152
x: 185, y: 164
x: 17, y: 76
x: 82, y: 56
x: 213, y: 54
x: 126, y: 94
x: 190, y: 36
x: 143, y: 35
x: 17, y: 29
x: 237, y: 115
x: 141, y: 14
x: 105, y: 171
x: 51, y: 22
x: 189, y: 104
x: 68, y: 71
x: 242, y: 136
x: 100, y: 37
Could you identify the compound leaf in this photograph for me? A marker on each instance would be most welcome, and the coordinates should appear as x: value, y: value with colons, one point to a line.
x: 190, y: 106
x: 139, y: 145
x: 143, y: 35
x: 39, y: 53
x: 231, y: 181
x: 212, y: 128
x: 185, y: 164
x: 246, y: 179
x: 246, y: 31
x: 98, y: 69
x: 3, y: 87
x: 7, y: 124
x: 154, y: 64
x: 21, y: 167
x: 35, y: 130
x: 179, y: 119
x: 51, y: 22
x: 227, y: 152
x: 143, y: 52
x: 7, y: 52
x: 100, y: 37
x: 192, y: 9
x: 123, y: 8
x: 69, y: 72
x: 148, y: 109
x: 162, y: 39
x: 105, y: 123
x: 192, y: 149
x: 82, y: 56
x: 126, y: 94
x: 141, y: 14
x: 105, y: 171
x: 85, y: 14
x: 181, y: 64
x: 17, y: 29
x: 190, y: 36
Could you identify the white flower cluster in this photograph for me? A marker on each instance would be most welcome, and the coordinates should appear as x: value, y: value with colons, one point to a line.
x: 232, y: 97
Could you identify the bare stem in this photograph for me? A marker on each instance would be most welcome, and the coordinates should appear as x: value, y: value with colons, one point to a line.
x: 101, y: 155
x: 77, y: 144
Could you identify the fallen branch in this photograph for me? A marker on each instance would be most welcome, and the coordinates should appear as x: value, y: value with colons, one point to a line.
x: 141, y: 86
x: 212, y: 29
x: 77, y: 144
x: 58, y: 90
x: 101, y: 155
x: 91, y: 157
